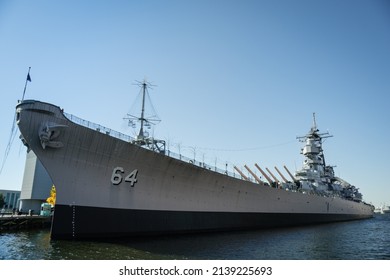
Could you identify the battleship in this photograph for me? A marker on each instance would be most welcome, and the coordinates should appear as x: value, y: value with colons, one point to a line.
x: 112, y: 185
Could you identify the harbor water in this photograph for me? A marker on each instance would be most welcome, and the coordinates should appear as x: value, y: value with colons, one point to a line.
x: 355, y: 240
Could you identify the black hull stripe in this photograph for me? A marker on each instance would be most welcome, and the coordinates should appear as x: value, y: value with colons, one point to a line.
x: 79, y: 222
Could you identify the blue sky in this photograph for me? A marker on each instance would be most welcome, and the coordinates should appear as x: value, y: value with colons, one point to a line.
x: 236, y: 80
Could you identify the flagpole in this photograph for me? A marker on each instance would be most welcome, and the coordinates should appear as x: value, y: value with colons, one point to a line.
x: 25, y: 85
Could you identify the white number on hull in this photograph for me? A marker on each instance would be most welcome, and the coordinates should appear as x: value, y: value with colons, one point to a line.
x: 116, y: 177
x: 132, y: 177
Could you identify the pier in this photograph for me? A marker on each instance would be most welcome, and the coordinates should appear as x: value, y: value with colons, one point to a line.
x: 15, y: 222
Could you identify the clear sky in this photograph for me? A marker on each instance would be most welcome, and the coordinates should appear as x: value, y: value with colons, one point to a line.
x: 236, y: 80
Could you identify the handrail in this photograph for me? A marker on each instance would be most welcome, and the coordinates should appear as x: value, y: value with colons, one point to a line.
x: 99, y: 128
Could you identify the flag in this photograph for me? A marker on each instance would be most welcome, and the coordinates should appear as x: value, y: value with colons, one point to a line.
x: 28, y: 77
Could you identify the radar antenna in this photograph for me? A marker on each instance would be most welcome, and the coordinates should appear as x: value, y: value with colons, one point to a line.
x: 314, y: 133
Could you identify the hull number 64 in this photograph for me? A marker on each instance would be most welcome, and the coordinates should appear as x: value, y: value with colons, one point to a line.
x: 118, y: 174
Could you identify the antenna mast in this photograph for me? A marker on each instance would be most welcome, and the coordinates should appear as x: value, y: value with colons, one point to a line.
x: 314, y: 122
x: 143, y: 139
x: 142, y: 119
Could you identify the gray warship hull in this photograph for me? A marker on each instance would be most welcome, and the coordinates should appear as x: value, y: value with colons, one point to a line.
x: 108, y: 187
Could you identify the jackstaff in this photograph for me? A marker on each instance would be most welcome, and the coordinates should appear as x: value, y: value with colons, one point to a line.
x: 28, y: 79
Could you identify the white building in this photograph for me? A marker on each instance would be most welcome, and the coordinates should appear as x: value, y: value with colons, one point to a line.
x: 36, y: 185
x: 11, y: 199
